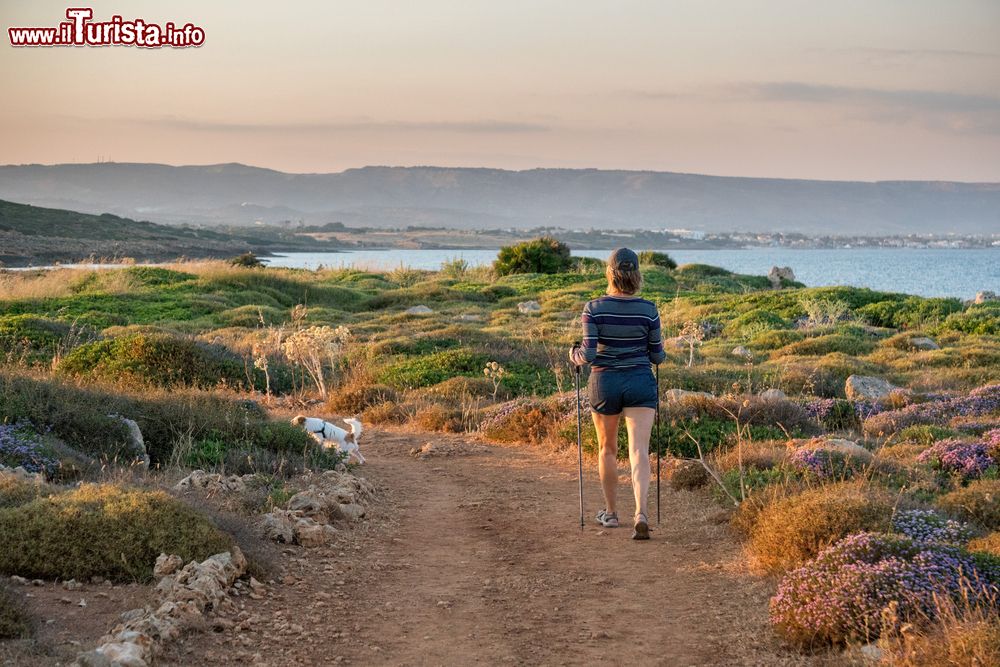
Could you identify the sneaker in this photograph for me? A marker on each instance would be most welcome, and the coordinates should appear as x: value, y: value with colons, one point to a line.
x: 607, y: 519
x: 641, y: 529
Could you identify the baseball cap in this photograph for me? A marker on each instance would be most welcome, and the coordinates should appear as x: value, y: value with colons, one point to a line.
x: 623, y: 259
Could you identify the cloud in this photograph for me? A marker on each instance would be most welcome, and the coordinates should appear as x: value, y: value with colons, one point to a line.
x: 899, y: 57
x: 924, y: 100
x: 458, y: 127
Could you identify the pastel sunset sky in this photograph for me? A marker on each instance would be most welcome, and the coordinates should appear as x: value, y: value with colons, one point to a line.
x: 853, y: 89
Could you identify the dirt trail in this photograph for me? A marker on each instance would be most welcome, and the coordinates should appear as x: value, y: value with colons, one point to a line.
x: 474, y: 556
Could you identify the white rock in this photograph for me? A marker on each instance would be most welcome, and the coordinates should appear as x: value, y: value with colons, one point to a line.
x: 167, y: 565
x: 773, y: 395
x: 352, y: 511
x: 867, y: 387
x: 681, y: 394
x: 418, y: 310
x: 742, y: 352
x: 779, y: 273
x: 924, y: 343
x: 847, y: 448
x: 984, y: 296
x: 137, y: 445
x: 529, y: 307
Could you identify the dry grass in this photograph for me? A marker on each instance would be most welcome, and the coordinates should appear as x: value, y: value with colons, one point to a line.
x: 978, y: 502
x: 14, y: 622
x: 960, y: 635
x: 793, y: 529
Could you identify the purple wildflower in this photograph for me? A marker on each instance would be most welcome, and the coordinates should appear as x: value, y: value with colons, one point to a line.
x: 841, y: 594
x: 969, y: 459
x: 929, y: 526
x: 979, y: 402
x: 20, y: 446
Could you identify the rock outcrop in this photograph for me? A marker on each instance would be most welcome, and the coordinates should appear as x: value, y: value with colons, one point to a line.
x: 309, y: 517
x: 418, y: 310
x: 185, y: 595
x: 529, y: 307
x: 213, y: 481
x: 868, y: 388
x: 135, y: 450
x: 924, y: 344
x: 777, y: 274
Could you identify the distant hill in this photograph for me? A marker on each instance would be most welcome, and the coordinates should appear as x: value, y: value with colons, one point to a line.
x: 36, y: 235
x: 495, y: 198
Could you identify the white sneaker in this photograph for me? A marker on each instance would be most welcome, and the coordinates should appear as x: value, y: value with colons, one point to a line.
x: 607, y: 519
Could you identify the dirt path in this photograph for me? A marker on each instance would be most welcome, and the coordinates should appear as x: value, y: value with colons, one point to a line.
x: 475, y: 557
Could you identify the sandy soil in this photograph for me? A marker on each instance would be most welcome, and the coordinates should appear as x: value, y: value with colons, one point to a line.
x: 475, y: 556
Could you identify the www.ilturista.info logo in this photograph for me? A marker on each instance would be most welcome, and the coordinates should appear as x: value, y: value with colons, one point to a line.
x: 79, y: 30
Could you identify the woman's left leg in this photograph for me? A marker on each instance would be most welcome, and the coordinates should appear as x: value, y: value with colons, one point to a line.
x: 639, y: 423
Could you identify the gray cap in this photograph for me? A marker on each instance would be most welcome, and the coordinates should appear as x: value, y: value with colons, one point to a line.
x: 623, y: 259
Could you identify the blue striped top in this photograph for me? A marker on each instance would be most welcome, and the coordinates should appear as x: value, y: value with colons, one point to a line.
x: 620, y: 333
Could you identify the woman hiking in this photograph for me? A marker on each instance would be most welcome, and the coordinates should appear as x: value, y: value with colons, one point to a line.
x: 621, y: 340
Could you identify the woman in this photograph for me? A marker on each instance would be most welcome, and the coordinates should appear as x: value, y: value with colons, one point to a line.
x: 621, y: 339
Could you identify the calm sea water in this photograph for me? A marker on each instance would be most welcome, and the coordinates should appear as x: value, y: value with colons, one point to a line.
x: 927, y: 272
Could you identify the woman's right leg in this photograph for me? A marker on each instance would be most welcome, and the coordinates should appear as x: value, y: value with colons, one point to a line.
x: 607, y: 466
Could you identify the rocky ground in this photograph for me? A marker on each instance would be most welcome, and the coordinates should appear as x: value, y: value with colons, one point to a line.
x: 472, y: 554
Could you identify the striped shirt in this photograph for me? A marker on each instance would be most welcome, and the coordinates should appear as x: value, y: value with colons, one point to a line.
x: 620, y: 333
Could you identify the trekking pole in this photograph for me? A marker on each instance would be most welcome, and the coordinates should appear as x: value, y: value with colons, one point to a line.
x: 657, y: 444
x: 578, y: 369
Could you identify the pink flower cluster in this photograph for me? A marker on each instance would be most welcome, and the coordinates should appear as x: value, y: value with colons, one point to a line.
x: 968, y: 459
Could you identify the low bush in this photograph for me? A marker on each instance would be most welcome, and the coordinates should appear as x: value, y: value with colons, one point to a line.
x: 458, y: 388
x: 37, y: 338
x: 929, y: 526
x: 830, y: 343
x: 22, y: 447
x: 14, y: 621
x: 833, y: 414
x: 925, y: 435
x: 437, y: 417
x: 15, y: 491
x: 353, y: 399
x: 541, y: 255
x: 389, y: 412
x: 653, y: 258
x: 432, y: 369
x: 792, y: 530
x: 102, y: 530
x: 954, y: 456
x: 959, y: 635
x: 159, y: 360
x: 989, y: 544
x: 772, y: 340
x: 979, y: 502
x: 843, y: 594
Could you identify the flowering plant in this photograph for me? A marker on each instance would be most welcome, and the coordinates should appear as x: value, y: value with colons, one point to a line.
x: 982, y: 401
x: 969, y: 459
x: 841, y: 594
x: 929, y: 526
x: 21, y: 447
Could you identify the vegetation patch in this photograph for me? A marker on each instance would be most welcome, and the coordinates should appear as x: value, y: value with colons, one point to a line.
x: 102, y: 530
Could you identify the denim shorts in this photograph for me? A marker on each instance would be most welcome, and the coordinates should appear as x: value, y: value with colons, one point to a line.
x: 612, y: 390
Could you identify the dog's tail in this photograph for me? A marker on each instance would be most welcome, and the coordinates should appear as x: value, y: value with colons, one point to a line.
x: 355, y: 427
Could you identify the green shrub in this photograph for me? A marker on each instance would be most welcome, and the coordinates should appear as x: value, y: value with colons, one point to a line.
x: 14, y: 621
x: 821, y: 345
x: 978, y: 320
x: 38, y: 336
x: 978, y: 502
x: 772, y: 340
x: 102, y: 530
x: 908, y: 312
x: 794, y: 529
x: 541, y: 255
x: 653, y: 258
x: 702, y: 271
x: 753, y: 323
x: 157, y: 360
x: 432, y: 369
x: 925, y: 435
x: 247, y: 260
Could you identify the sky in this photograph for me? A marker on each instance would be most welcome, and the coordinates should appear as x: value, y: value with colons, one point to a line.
x: 846, y: 90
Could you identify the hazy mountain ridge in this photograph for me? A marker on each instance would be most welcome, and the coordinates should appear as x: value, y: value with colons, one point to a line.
x: 482, y: 197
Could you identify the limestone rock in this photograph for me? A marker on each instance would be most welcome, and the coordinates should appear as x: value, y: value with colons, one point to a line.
x: 924, y: 343
x: 529, y: 307
x: 681, y: 394
x: 984, y: 296
x: 773, y: 395
x: 136, y: 449
x: 167, y: 565
x: 779, y: 273
x: 279, y: 526
x: 868, y: 387
x: 418, y: 310
x: 742, y: 352
x: 470, y: 317
x: 352, y: 511
x: 199, y: 479
x: 846, y: 448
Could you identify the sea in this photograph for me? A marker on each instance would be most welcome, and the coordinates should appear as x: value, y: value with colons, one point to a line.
x: 931, y: 272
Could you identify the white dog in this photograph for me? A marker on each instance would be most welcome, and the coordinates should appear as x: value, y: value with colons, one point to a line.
x: 330, y: 435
